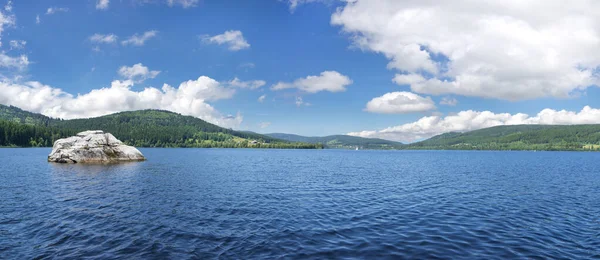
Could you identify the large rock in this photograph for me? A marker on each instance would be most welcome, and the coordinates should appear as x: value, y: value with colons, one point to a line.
x: 93, y: 147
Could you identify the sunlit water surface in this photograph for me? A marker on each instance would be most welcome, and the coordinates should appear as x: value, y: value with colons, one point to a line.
x: 241, y: 204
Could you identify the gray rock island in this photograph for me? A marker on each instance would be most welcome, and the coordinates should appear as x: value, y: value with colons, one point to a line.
x: 93, y: 147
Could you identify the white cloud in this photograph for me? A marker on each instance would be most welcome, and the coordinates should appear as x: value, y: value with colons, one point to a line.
x: 262, y: 98
x: 190, y: 98
x: 300, y: 102
x: 331, y: 81
x: 170, y: 3
x: 252, y: 84
x: 139, y: 40
x: 408, y: 79
x: 37, y: 19
x: 469, y: 120
x: 295, y: 3
x: 53, y: 10
x: 7, y: 19
x: 20, y: 62
x: 264, y: 124
x: 137, y: 72
x: 449, y: 101
x: 103, y: 38
x: 400, y: 103
x: 492, y: 49
x: 205, y: 88
x: 248, y: 65
x: 17, y: 44
x: 183, y: 3
x: 102, y: 4
x: 233, y: 39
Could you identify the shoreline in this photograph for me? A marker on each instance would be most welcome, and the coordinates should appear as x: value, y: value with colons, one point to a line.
x: 262, y: 148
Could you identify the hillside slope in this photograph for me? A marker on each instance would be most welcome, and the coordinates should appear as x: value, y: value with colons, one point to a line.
x: 518, y: 137
x: 144, y: 128
x: 157, y: 125
x: 156, y: 128
x: 15, y: 114
x: 341, y: 141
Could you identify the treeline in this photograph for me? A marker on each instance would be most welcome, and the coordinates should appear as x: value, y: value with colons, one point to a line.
x: 155, y: 125
x: 157, y: 128
x: 157, y: 138
x: 520, y: 137
x: 342, y: 141
x: 145, y: 128
x: 14, y: 134
x: 23, y: 135
x: 516, y: 146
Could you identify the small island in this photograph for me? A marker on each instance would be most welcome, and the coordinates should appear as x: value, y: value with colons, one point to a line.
x: 93, y: 147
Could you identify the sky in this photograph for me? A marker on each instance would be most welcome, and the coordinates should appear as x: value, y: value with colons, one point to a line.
x: 402, y: 70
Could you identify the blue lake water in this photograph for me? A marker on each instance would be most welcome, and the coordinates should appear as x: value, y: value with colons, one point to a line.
x: 246, y: 204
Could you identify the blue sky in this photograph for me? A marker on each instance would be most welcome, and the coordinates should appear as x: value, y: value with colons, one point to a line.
x: 389, y: 64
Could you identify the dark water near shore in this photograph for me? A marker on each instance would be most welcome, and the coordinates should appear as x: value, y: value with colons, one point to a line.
x: 241, y: 204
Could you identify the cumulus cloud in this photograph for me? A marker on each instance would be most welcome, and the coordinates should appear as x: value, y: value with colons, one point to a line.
x: 252, y: 84
x: 54, y: 10
x: 37, y: 19
x: 233, y: 39
x: 400, y: 103
x: 137, y: 72
x: 17, y: 44
x: 331, y: 81
x: 449, y: 101
x: 469, y: 120
x: 262, y: 98
x: 183, y: 3
x: 492, y: 49
x: 140, y: 40
x: 103, y: 38
x: 102, y: 4
x: 190, y: 98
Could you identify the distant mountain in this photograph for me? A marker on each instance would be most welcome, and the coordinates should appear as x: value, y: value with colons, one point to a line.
x: 341, y: 141
x: 518, y: 137
x: 157, y: 128
x: 143, y: 128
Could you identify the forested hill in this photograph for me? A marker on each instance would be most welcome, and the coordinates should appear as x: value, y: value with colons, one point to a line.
x: 518, y: 137
x: 144, y: 128
x: 341, y: 141
x: 17, y: 115
x: 156, y: 128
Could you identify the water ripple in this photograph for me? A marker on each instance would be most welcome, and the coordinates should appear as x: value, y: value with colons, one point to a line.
x: 202, y: 203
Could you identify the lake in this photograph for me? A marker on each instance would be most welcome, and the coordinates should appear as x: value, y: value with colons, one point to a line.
x: 250, y: 203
